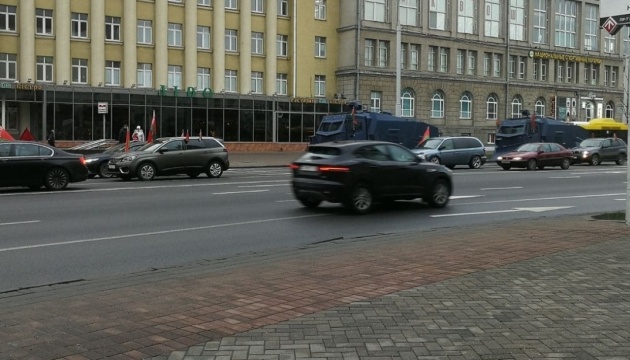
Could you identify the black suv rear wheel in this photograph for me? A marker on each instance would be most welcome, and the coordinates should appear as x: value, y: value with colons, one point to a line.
x: 361, y: 200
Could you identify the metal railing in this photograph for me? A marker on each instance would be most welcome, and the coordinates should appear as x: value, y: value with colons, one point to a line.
x: 96, y: 144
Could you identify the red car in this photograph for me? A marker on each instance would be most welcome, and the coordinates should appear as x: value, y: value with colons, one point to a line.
x: 537, y: 155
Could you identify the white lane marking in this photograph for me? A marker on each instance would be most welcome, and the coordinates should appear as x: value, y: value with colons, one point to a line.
x: 239, y: 192
x: 464, y: 197
x: 620, y: 199
x: 270, y: 185
x: 153, y: 233
x: 281, y: 201
x: 538, y: 199
x: 501, y: 188
x: 565, y: 177
x: 532, y: 209
x: 20, y: 222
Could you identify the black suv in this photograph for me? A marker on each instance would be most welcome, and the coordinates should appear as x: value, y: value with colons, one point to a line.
x: 171, y: 156
x: 596, y: 150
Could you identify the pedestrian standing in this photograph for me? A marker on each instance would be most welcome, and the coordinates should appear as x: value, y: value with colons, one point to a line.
x: 51, y: 138
x: 140, y: 133
x: 122, y: 135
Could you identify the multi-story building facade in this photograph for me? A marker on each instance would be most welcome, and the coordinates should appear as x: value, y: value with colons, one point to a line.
x: 268, y: 70
x: 244, y: 70
x: 466, y: 64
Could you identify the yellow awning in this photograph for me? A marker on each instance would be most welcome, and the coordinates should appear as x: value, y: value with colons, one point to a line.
x: 604, y: 124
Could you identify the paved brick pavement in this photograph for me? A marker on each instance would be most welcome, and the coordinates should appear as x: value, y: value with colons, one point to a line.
x: 531, y: 289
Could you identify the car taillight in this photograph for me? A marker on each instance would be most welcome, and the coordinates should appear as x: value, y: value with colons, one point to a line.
x: 83, y: 160
x: 294, y: 166
x: 334, y: 169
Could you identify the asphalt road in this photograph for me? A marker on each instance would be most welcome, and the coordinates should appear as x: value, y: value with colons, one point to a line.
x: 105, y: 227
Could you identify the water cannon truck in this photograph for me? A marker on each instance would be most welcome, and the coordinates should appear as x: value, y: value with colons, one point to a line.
x: 357, y: 124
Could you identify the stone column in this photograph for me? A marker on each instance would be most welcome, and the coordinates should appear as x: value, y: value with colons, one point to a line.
x: 130, y: 56
x: 271, y: 59
x: 26, y: 13
x: 218, y: 45
x: 190, y: 48
x: 160, y: 32
x: 245, y: 47
x: 63, y: 62
x: 97, y: 42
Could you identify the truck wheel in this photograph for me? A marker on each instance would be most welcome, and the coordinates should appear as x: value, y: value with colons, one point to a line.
x: 621, y: 159
x: 475, y: 162
x: 595, y: 160
x: 531, y: 164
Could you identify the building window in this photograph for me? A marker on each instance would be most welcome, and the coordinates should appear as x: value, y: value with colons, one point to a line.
x: 613, y: 77
x: 45, y: 68
x: 43, y: 22
x: 79, y: 26
x: 281, y: 84
x: 374, y: 10
x: 492, y: 107
x: 79, y: 71
x: 496, y: 66
x: 203, y: 37
x: 517, y: 107
x: 437, y: 14
x: 609, y: 43
x: 472, y: 60
x: 204, y: 2
x: 258, y: 6
x: 257, y: 43
x: 540, y: 69
x: 383, y: 53
x: 231, y: 40
x: 369, y: 52
x: 283, y: 7
x: 492, y: 18
x: 626, y: 40
x: 282, y: 45
x: 431, y: 58
x: 112, y: 73
x: 414, y: 55
x: 443, y: 60
x: 144, y: 78
x: 512, y: 66
x: 403, y: 55
x: 257, y: 82
x: 539, y: 108
x: 7, y: 18
x: 465, y: 106
x: 540, y: 22
x: 320, y: 47
x: 560, y: 71
x: 231, y: 81
x: 320, y: 85
x: 610, y: 112
x: 591, y: 27
x: 175, y: 35
x: 8, y: 66
x: 231, y: 4
x: 407, y: 101
x: 466, y: 16
x: 375, y: 101
x: 522, y: 67
x: 486, y: 64
x: 145, y: 32
x: 491, y: 138
x: 112, y: 28
x: 174, y: 77
x: 517, y: 20
x: 408, y: 14
x: 566, y: 23
x: 320, y: 9
x: 203, y: 78
x: 606, y: 75
x: 437, y: 105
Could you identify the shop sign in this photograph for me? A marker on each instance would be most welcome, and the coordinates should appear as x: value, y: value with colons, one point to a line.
x: 566, y: 57
x: 303, y: 100
x: 6, y: 85
x: 190, y: 92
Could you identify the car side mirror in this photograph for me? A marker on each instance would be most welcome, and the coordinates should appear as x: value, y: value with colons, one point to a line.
x: 162, y: 151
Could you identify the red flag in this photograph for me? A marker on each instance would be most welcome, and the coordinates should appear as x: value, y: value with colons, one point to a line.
x: 27, y: 136
x: 354, y: 117
x: 533, y: 122
x: 153, y: 129
x: 5, y: 134
x: 200, y: 135
x: 425, y: 136
x: 127, y: 141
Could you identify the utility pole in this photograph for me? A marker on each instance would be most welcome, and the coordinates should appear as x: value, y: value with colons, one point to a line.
x: 626, y: 92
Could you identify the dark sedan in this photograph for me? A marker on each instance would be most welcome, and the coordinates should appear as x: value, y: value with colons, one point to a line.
x: 360, y: 173
x: 534, y: 156
x: 35, y: 165
x: 98, y: 163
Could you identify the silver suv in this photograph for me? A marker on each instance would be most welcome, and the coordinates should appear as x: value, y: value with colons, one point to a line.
x: 172, y: 156
x: 452, y: 151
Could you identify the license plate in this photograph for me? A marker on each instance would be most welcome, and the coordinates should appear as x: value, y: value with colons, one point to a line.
x: 309, y: 168
x: 505, y: 161
x: 112, y: 167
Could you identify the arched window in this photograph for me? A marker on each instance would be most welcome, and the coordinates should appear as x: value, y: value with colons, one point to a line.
x: 539, y: 108
x: 407, y: 103
x: 465, y: 106
x: 492, y: 106
x: 437, y: 105
x: 517, y: 106
x: 610, y: 112
x: 589, y: 110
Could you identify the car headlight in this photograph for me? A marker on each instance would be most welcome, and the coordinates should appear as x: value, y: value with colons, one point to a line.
x: 129, y: 158
x: 421, y: 156
x: 87, y: 161
x: 518, y: 158
x: 585, y: 153
x: 500, y: 158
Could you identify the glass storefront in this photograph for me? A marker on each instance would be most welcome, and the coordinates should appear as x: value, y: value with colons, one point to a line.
x: 73, y: 113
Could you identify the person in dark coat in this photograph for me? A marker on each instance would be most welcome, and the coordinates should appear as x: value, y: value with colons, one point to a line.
x: 122, y: 135
x: 51, y: 138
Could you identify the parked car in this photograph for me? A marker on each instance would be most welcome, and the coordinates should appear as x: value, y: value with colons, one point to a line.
x: 537, y: 156
x: 172, y: 156
x: 452, y: 151
x: 98, y: 163
x: 595, y: 150
x: 360, y: 173
x: 25, y: 163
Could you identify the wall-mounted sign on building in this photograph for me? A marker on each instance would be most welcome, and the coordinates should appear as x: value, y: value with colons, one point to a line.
x: 102, y: 108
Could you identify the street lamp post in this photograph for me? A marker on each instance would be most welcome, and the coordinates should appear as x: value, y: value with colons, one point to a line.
x: 626, y: 92
x: 398, y: 62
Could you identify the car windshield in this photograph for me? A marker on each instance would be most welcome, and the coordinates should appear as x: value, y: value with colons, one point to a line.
x: 151, y: 146
x: 330, y: 125
x: 508, y: 130
x: 591, y: 143
x: 430, y: 144
x: 528, y: 148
